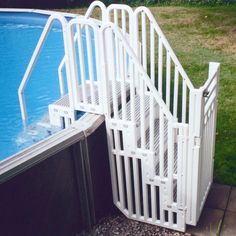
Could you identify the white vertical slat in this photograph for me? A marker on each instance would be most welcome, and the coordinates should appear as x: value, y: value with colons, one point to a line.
x: 203, y: 161
x: 120, y: 182
x: 132, y: 90
x: 170, y: 162
x: 161, y: 143
x: 207, y: 157
x: 184, y: 101
x: 176, y: 87
x: 117, y: 50
x: 162, y: 197
x: 72, y: 69
x: 124, y: 30
x: 135, y: 31
x: 215, y: 111
x: 128, y: 186
x: 81, y: 62
x: 104, y: 78
x: 181, y: 166
x: 160, y: 65
x: 170, y: 218
x: 144, y: 41
x: 90, y: 64
x: 184, y: 170
x: 99, y: 64
x: 151, y: 122
x: 212, y: 136
x: 117, y: 47
x: 180, y: 160
x: 152, y: 53
x: 142, y: 113
x: 145, y: 199
x: 112, y: 67
x: 213, y: 132
x: 213, y: 139
x: 202, y: 171
x: 190, y: 179
x: 136, y: 188
x: 154, y: 203
x: 168, y: 74
x: 122, y: 78
x: 195, y: 108
x: 207, y: 148
x: 112, y: 165
x: 61, y: 79
x: 119, y: 170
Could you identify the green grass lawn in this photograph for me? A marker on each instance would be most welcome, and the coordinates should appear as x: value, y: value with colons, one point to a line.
x: 199, y: 35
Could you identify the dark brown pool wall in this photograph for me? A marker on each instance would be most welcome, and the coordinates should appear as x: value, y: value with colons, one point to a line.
x: 62, y: 191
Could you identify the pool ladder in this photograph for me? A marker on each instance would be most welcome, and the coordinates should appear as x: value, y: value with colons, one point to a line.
x: 160, y: 129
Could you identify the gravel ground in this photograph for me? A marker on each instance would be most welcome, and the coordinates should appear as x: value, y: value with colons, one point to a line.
x: 120, y: 225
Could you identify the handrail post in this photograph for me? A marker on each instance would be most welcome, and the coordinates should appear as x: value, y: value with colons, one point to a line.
x: 88, y: 13
x: 195, y: 133
x: 214, y: 67
x: 35, y: 56
x: 60, y: 76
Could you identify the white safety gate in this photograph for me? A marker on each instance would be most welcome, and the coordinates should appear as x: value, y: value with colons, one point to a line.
x: 160, y: 129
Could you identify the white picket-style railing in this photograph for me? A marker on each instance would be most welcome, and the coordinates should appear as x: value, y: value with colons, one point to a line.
x: 87, y: 85
x: 155, y: 54
x: 160, y: 129
x: 161, y: 63
x: 142, y: 123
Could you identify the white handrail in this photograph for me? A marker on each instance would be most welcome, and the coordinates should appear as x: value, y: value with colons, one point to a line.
x: 126, y: 24
x: 165, y: 42
x: 87, y: 15
x: 35, y: 56
x: 60, y: 76
x: 213, y: 70
x: 141, y: 70
x: 92, y: 6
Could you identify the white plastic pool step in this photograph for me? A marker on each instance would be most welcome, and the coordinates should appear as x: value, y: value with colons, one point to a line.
x: 137, y: 113
x: 61, y: 114
x: 160, y: 142
x: 94, y: 104
x: 139, y: 190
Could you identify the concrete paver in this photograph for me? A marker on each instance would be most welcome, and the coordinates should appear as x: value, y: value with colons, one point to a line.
x: 232, y: 201
x: 229, y: 224
x: 218, y: 196
x: 209, y: 223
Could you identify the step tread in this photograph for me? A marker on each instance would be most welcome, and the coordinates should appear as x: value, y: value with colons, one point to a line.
x: 65, y: 103
x: 137, y: 113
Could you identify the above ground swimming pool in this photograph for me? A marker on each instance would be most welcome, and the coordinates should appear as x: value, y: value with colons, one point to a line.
x: 19, y: 34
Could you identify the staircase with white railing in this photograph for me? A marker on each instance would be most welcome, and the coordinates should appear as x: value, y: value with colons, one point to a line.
x: 160, y: 129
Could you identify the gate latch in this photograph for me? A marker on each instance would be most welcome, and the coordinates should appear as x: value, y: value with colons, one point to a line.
x: 205, y: 93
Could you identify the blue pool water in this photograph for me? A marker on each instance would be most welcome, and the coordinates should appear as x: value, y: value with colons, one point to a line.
x: 19, y: 34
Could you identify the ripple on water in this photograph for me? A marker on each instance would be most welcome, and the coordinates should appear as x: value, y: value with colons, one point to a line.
x: 17, y: 43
